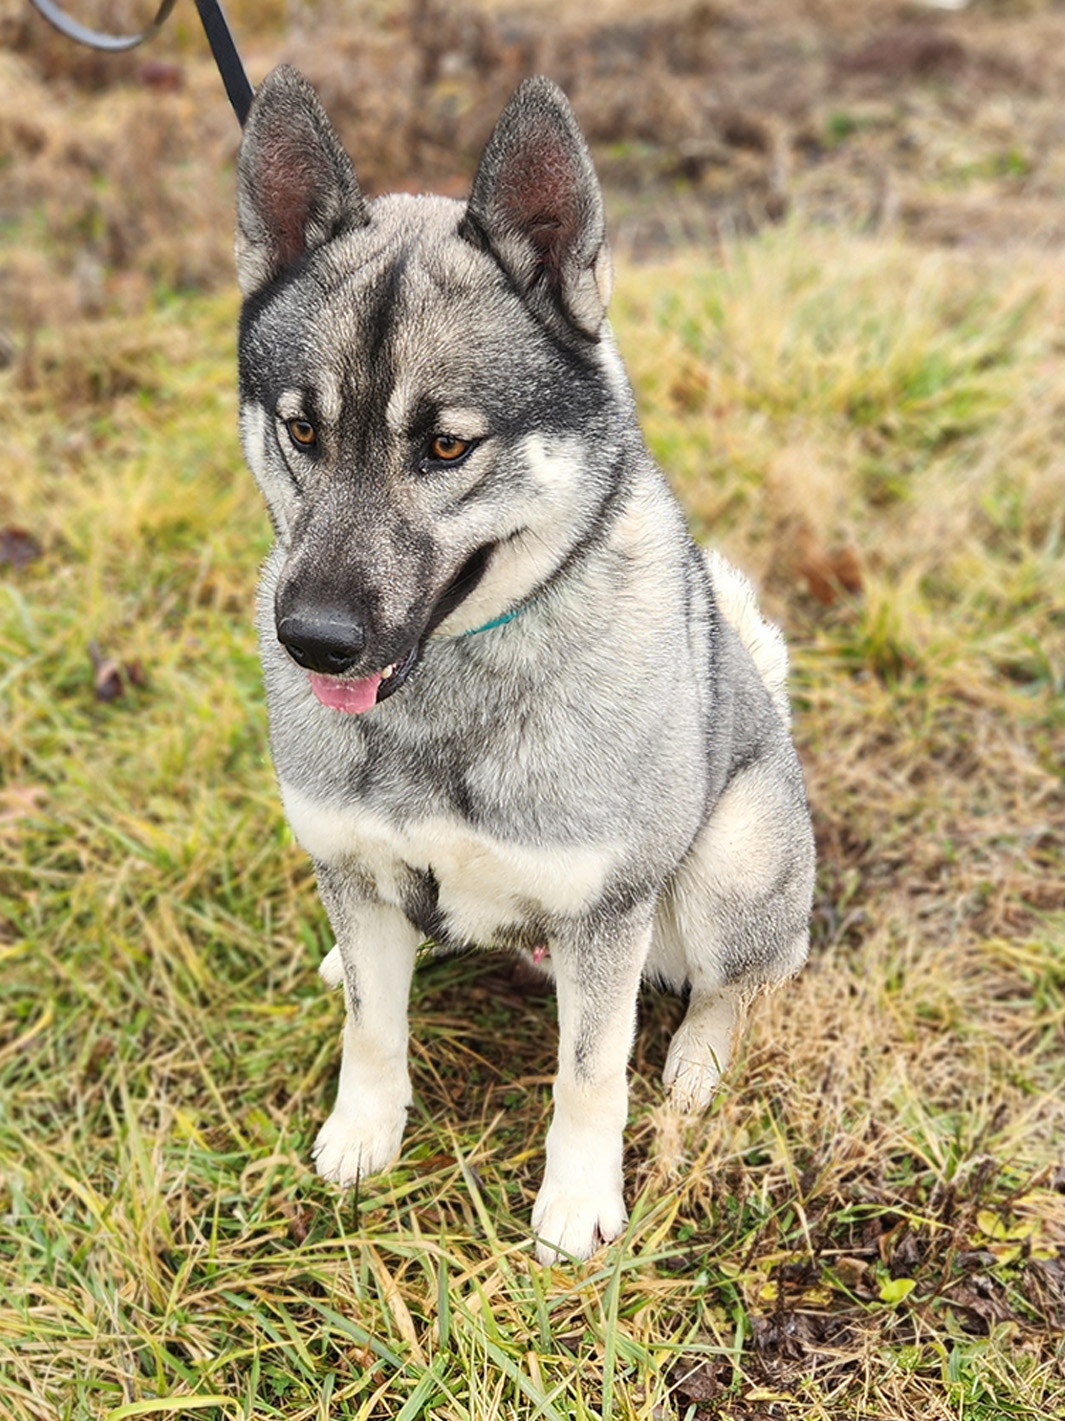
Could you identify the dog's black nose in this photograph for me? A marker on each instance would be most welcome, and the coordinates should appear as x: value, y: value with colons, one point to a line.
x: 330, y: 644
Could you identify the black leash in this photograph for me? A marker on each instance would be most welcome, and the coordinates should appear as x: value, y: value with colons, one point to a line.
x: 238, y: 90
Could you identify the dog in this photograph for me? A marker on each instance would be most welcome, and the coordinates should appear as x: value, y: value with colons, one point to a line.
x: 511, y: 701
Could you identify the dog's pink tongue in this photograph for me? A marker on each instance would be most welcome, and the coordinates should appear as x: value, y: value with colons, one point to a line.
x: 351, y: 696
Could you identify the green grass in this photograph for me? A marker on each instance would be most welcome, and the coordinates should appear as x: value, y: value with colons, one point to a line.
x: 869, y: 1222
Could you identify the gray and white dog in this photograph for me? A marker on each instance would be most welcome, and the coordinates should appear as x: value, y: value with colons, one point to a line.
x: 511, y: 702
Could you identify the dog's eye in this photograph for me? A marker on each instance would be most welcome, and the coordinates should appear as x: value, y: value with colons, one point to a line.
x: 447, y: 448
x: 302, y: 432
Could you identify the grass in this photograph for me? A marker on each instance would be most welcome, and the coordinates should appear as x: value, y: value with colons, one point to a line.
x: 870, y: 1221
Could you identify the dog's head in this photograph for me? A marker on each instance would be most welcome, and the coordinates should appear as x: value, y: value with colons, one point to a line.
x: 429, y: 391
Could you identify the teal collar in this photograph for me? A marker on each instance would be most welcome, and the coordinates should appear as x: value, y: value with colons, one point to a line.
x: 495, y: 622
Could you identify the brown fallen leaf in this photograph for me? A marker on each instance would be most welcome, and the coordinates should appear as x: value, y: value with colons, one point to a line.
x: 18, y: 548
x: 696, y: 1381
x: 984, y: 1299
x: 106, y: 675
x: 853, y: 1273
x: 110, y: 677
x: 828, y: 571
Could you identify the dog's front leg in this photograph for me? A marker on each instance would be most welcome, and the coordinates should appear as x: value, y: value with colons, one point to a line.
x: 377, y: 946
x: 597, y: 977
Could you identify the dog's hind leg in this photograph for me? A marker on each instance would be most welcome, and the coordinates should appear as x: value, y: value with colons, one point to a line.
x: 701, y: 1046
x: 597, y: 976
x: 733, y: 920
x: 377, y: 947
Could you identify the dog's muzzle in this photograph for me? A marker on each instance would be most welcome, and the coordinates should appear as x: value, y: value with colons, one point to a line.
x: 328, y: 642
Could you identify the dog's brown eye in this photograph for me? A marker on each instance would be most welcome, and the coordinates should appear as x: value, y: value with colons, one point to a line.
x: 447, y: 448
x: 302, y: 432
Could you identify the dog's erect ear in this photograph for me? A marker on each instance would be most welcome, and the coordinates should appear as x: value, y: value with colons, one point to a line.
x: 296, y: 187
x: 536, y: 204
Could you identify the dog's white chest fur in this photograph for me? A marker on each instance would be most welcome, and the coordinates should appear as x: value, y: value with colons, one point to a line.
x: 485, y: 884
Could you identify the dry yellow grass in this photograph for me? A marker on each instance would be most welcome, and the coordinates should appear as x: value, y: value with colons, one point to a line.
x: 870, y: 1220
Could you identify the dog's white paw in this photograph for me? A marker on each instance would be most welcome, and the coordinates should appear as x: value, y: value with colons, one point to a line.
x: 573, y: 1224
x: 331, y: 969
x: 691, y: 1076
x: 351, y: 1146
x: 697, y: 1056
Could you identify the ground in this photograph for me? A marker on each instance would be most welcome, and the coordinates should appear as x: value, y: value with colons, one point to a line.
x: 840, y: 297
